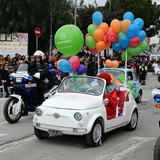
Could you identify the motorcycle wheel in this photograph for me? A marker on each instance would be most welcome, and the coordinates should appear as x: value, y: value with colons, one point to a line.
x: 8, y: 110
x: 156, y: 155
x: 40, y: 134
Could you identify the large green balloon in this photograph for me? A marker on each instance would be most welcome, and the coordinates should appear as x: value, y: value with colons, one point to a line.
x: 121, y: 78
x: 133, y: 94
x: 134, y: 51
x: 91, y: 28
x: 143, y: 45
x: 130, y: 85
x: 69, y: 40
x: 123, y: 56
x: 90, y: 42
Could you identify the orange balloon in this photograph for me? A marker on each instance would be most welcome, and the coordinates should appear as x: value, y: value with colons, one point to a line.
x: 115, y: 64
x: 113, y: 79
x: 103, y: 26
x: 107, y: 45
x: 100, y: 46
x: 98, y: 34
x: 115, y: 25
x: 117, y: 82
x: 124, y: 25
x: 109, y: 63
x: 57, y: 63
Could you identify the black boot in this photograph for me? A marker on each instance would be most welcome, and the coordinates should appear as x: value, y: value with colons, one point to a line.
x: 7, y: 95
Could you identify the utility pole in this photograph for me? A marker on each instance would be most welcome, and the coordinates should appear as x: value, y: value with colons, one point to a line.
x: 51, y: 37
x: 75, y: 12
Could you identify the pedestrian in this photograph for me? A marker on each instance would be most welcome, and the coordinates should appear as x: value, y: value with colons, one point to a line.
x: 143, y: 69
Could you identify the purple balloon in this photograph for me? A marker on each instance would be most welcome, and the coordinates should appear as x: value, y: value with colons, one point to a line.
x: 81, y: 69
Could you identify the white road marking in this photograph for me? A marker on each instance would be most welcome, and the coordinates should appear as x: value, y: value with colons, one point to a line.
x: 3, y: 135
x: 145, y: 100
x: 120, y: 151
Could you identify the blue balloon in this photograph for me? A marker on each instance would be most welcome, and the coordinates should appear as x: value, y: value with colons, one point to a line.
x: 124, y: 41
x: 139, y: 23
x: 65, y: 65
x: 129, y: 16
x: 97, y: 17
x: 117, y: 47
x: 142, y: 35
x: 132, y: 31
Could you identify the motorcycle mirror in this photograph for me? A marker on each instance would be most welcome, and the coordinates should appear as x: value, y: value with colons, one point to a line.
x: 159, y: 78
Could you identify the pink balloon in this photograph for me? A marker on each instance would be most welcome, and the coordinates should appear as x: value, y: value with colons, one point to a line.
x: 94, y: 51
x: 87, y: 35
x: 112, y: 36
x: 75, y: 62
x: 135, y: 41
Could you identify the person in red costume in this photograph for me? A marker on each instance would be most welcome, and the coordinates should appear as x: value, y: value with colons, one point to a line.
x: 111, y: 94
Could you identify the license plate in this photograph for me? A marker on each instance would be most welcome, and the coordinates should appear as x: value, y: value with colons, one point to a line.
x: 55, y: 133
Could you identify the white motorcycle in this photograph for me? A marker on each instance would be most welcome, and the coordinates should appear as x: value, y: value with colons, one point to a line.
x: 156, y: 97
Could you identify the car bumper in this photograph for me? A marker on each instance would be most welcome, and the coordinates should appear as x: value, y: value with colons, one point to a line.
x: 61, y: 129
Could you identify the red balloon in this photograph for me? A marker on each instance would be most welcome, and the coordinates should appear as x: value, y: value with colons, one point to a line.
x: 135, y: 41
x: 94, y: 51
x: 75, y: 62
x: 105, y: 39
x: 87, y: 35
x: 112, y: 36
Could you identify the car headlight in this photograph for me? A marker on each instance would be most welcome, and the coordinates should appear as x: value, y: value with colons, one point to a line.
x: 78, y: 116
x: 38, y: 111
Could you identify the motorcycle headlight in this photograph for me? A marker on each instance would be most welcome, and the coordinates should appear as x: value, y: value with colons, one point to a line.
x: 18, y: 79
x: 157, y: 98
x: 38, y: 111
x: 78, y: 116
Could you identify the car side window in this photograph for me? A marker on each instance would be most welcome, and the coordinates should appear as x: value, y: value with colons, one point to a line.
x: 129, y: 76
x: 135, y: 78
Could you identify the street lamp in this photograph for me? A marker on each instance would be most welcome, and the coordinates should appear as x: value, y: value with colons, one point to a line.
x: 51, y: 37
x: 75, y: 12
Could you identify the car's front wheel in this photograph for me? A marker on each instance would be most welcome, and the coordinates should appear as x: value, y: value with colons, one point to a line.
x: 40, y: 134
x: 93, y: 138
x: 133, y: 122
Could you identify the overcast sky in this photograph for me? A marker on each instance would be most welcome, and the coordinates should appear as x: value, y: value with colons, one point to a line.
x: 102, y: 2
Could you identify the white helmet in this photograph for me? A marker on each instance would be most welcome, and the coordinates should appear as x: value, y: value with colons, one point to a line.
x: 39, y: 53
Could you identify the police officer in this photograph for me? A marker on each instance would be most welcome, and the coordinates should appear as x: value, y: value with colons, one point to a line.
x: 143, y: 69
x: 39, y: 71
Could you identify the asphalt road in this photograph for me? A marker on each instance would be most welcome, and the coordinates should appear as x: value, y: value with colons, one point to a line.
x: 18, y: 142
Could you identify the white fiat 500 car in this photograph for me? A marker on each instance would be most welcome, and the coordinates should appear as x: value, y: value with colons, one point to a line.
x: 80, y: 106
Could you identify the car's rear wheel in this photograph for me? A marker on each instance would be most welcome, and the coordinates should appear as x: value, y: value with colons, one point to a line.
x: 40, y: 134
x: 157, y: 149
x: 133, y: 122
x: 139, y: 97
x: 93, y: 138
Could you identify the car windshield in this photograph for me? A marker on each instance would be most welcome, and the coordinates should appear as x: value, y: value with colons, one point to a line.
x: 22, y: 67
x: 114, y: 72
x: 84, y: 85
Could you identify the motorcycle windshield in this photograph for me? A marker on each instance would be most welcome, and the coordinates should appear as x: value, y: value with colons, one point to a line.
x: 22, y: 67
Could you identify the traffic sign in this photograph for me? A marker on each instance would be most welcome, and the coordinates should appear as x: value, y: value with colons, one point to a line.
x: 37, y: 32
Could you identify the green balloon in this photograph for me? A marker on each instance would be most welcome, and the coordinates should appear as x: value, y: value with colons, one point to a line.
x: 120, y: 33
x: 143, y: 45
x: 91, y: 28
x: 91, y: 42
x: 123, y: 56
x: 121, y: 78
x: 133, y: 94
x: 130, y: 85
x: 134, y: 51
x: 69, y: 40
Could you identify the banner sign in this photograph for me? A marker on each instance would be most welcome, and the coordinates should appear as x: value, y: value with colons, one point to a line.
x: 12, y: 48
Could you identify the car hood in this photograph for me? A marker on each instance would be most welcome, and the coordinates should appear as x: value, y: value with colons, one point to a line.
x: 73, y: 101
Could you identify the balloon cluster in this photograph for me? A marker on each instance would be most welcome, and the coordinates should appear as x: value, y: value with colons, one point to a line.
x: 72, y: 65
x: 122, y: 78
x: 124, y: 36
x: 113, y: 64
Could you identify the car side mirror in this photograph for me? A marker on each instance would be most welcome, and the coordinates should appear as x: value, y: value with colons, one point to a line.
x: 159, y: 78
x: 105, y: 101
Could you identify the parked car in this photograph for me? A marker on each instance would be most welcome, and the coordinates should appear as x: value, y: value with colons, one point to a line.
x: 132, y: 77
x: 80, y: 107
